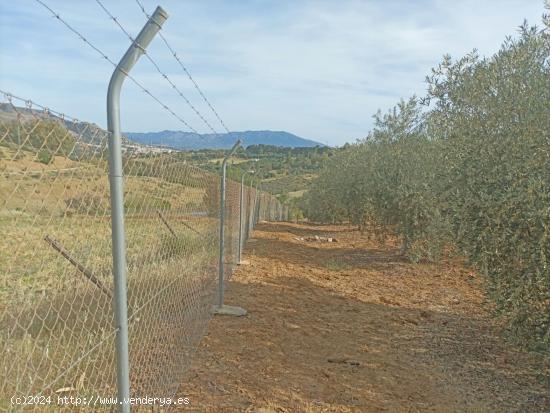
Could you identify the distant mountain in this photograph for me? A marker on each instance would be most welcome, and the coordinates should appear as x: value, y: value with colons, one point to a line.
x: 92, y: 134
x: 189, y: 140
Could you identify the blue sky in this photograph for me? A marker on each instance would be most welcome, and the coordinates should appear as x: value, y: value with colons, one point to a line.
x: 319, y: 69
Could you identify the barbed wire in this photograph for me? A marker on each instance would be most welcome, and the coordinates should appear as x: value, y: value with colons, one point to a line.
x: 108, y: 59
x: 195, y: 84
x: 155, y: 64
x: 29, y: 104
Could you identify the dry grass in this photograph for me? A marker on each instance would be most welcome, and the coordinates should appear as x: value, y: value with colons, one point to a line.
x: 53, y: 316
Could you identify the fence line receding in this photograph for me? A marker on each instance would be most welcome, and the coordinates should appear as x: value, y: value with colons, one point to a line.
x: 56, y: 294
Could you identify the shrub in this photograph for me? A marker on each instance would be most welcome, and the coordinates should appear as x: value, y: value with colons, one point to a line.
x: 44, y: 156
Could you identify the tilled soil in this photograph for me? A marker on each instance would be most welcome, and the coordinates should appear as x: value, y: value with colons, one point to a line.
x: 350, y: 326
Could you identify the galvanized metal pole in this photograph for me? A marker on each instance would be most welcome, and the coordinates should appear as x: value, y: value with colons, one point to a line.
x: 254, y: 196
x: 129, y: 59
x: 250, y: 211
x: 258, y: 203
x: 221, y: 264
x: 254, y: 203
x: 241, y: 220
x: 241, y: 211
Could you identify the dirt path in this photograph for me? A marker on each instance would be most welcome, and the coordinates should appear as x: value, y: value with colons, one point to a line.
x: 351, y: 327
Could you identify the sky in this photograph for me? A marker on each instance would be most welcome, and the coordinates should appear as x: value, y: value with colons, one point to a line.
x: 318, y: 69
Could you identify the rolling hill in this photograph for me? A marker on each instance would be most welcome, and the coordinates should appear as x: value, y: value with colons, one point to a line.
x: 189, y: 140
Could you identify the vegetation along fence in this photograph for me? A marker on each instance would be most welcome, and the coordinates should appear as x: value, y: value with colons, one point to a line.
x: 464, y: 169
x: 57, y: 319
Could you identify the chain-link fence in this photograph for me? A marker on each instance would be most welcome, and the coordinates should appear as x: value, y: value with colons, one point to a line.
x: 57, y: 322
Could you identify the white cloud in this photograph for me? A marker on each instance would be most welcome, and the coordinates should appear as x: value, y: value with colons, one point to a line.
x: 319, y: 69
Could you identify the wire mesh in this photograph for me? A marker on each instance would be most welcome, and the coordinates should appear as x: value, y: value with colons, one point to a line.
x: 56, y: 311
x: 172, y: 247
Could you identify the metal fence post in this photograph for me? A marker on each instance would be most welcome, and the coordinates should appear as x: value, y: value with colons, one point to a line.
x: 221, y: 308
x: 129, y: 59
x: 251, y: 209
x: 254, y: 208
x: 241, y: 212
x: 258, y: 204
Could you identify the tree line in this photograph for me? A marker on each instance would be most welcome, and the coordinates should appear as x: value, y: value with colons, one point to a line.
x: 466, y: 168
